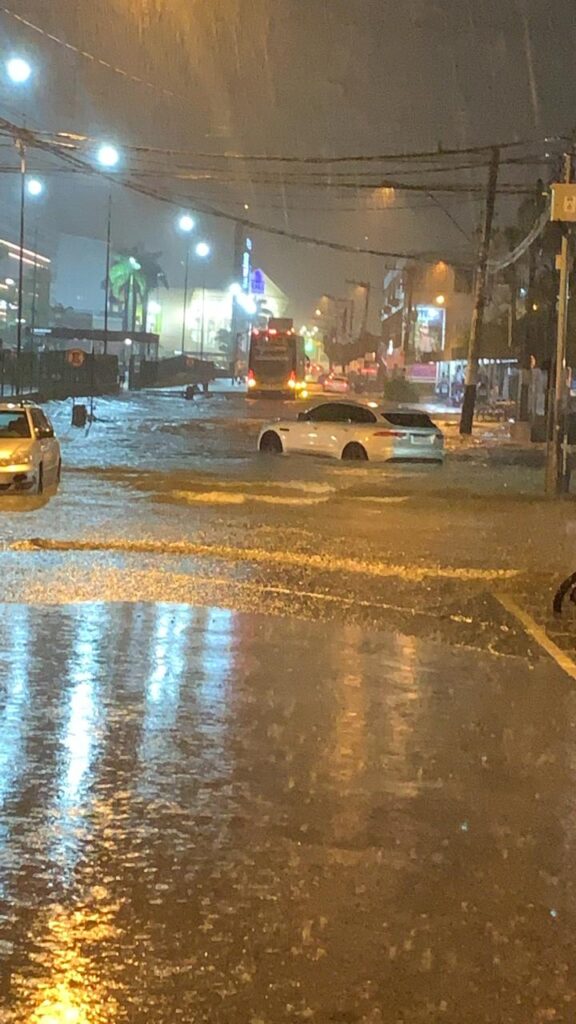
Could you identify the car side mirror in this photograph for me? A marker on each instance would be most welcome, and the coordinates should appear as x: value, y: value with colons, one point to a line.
x: 302, y: 417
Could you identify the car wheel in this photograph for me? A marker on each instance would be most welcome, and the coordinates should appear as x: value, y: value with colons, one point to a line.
x: 40, y: 486
x: 355, y: 452
x: 271, y: 443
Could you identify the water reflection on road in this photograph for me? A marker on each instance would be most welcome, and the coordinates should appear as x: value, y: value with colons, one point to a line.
x: 223, y: 817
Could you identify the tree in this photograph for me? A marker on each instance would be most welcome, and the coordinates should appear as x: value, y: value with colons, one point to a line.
x: 154, y: 277
x: 133, y: 276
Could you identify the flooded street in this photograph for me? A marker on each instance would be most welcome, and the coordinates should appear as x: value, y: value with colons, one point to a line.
x: 216, y: 816
x: 274, y: 744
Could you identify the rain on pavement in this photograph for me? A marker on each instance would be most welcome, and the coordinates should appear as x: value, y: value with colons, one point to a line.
x: 271, y: 748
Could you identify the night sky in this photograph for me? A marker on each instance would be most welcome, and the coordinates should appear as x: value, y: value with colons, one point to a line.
x: 295, y: 77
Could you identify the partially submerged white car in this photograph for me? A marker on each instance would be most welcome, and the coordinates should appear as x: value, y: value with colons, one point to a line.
x: 30, y: 455
x: 351, y: 430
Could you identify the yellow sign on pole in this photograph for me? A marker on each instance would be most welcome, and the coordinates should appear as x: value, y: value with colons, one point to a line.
x: 564, y: 203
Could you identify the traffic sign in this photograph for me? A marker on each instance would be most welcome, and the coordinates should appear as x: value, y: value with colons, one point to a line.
x: 76, y: 357
x: 563, y: 203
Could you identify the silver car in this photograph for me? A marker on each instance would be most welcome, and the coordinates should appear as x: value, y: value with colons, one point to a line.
x: 30, y: 455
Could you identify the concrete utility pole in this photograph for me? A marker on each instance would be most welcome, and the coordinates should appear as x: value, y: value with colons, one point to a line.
x: 469, y: 403
x: 556, y: 461
x: 107, y: 278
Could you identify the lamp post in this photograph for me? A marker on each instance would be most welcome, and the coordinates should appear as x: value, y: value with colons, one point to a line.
x: 108, y: 158
x: 35, y: 189
x: 19, y: 72
x: 186, y: 226
x: 203, y: 251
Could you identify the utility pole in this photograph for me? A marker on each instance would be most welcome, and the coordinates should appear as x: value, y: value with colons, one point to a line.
x: 107, y: 278
x: 556, y: 461
x: 185, y: 307
x: 365, y: 286
x: 469, y: 404
x: 22, y: 153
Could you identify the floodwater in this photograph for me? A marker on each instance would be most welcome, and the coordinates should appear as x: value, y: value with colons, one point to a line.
x: 272, y: 748
x: 223, y: 817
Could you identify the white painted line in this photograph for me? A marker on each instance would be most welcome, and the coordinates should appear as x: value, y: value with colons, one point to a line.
x: 538, y: 634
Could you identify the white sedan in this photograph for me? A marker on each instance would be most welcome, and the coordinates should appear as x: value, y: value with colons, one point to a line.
x: 350, y: 430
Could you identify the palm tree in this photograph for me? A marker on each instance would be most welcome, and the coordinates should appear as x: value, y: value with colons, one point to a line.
x: 133, y: 276
x: 127, y: 285
x: 154, y: 277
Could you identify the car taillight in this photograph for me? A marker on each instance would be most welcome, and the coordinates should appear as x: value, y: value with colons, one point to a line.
x: 389, y: 433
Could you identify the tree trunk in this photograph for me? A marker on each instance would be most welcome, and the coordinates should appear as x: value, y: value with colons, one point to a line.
x: 125, y: 320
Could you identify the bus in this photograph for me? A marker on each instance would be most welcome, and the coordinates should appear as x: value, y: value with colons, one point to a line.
x: 276, y: 361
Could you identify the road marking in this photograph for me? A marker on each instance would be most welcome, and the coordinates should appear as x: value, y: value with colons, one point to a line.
x: 238, y: 498
x: 414, y: 573
x: 538, y: 634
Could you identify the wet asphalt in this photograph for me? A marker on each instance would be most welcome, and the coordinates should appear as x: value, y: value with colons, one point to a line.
x: 271, y: 748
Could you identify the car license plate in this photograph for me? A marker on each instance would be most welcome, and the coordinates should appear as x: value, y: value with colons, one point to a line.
x: 421, y: 439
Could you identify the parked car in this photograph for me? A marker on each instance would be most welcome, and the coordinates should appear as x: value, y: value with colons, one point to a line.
x: 351, y: 430
x: 30, y: 456
x: 336, y: 385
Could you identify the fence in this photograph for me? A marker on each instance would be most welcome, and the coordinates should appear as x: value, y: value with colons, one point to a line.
x: 52, y: 375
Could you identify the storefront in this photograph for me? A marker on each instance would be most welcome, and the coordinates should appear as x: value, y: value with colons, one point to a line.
x: 497, y: 379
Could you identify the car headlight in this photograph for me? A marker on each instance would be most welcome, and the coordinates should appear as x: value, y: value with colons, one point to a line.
x: 17, y: 460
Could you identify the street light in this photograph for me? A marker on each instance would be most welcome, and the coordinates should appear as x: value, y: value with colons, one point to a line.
x: 19, y: 70
x: 35, y: 187
x: 203, y: 251
x: 185, y: 225
x: 108, y: 157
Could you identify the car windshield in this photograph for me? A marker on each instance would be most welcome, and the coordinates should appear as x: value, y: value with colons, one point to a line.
x: 13, y: 423
x: 409, y: 419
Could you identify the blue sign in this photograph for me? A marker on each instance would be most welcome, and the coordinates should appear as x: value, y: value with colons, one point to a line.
x: 258, y: 282
x: 246, y: 271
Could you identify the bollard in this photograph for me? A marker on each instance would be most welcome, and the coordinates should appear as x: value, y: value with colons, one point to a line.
x: 79, y: 415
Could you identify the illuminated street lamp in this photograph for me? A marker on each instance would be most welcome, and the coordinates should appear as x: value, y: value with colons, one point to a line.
x: 19, y: 70
x: 186, y: 225
x: 34, y: 187
x: 108, y: 157
x: 203, y: 251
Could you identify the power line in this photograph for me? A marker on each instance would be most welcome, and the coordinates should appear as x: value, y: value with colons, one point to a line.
x: 87, y: 56
x: 33, y: 141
